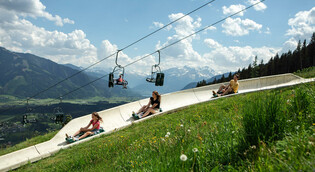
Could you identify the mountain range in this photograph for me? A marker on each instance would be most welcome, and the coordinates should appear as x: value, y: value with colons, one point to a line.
x: 175, y: 79
x: 24, y: 75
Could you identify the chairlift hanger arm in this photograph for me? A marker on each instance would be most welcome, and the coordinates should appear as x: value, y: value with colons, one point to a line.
x: 159, y: 57
x: 117, y: 59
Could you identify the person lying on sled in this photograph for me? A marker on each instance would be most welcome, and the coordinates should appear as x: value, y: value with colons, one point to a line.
x: 95, y: 122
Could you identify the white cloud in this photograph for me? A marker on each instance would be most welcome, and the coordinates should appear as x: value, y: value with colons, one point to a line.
x: 107, y: 49
x: 239, y: 27
x: 267, y: 31
x: 259, y: 7
x: 233, y: 9
x: 231, y: 58
x: 290, y: 44
x: 22, y: 36
x: 181, y: 53
x: 32, y: 8
x: 302, y: 25
x: 158, y: 24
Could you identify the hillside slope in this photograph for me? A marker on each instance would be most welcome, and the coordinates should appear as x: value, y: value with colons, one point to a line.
x: 24, y: 75
x: 201, y: 137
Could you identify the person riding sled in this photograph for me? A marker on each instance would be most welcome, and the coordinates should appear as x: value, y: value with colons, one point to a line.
x: 95, y: 122
x: 152, y: 107
x: 231, y: 88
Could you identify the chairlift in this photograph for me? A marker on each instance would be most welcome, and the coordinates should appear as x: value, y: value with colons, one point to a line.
x: 59, y: 114
x: 157, y: 76
x: 28, y: 112
x: 120, y: 80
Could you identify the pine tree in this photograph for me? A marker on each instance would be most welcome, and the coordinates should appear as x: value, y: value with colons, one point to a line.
x: 304, y: 55
x: 255, y: 70
x: 230, y: 76
x: 299, y: 57
x: 261, y: 68
x: 222, y: 78
x: 311, y: 50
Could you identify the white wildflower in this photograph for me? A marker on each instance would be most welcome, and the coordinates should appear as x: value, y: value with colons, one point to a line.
x: 195, y: 150
x: 168, y: 133
x: 166, y: 136
x: 181, y: 125
x: 183, y: 157
x: 188, y: 130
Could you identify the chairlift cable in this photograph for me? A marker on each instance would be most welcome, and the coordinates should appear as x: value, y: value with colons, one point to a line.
x: 150, y: 53
x: 166, y: 46
x: 121, y: 49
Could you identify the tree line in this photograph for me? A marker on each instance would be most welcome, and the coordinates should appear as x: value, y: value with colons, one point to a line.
x: 302, y: 57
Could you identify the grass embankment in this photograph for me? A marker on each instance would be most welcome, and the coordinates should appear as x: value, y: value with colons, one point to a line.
x: 28, y: 142
x: 306, y: 73
x: 270, y: 130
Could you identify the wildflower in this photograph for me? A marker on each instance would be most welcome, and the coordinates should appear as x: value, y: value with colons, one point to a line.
x: 181, y: 125
x: 233, y: 132
x: 195, y: 150
x: 166, y: 136
x: 188, y: 130
x: 168, y: 133
x: 183, y: 157
x: 289, y: 120
x: 313, y: 123
x: 163, y: 139
x: 253, y: 147
x: 297, y: 127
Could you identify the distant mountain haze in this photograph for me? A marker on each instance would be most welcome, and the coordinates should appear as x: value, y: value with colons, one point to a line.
x: 175, y: 78
x: 24, y: 75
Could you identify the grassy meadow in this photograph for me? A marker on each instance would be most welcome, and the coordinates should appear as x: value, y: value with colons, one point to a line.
x: 265, y: 131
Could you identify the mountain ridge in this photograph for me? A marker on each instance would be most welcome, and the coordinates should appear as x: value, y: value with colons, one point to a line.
x: 25, y: 75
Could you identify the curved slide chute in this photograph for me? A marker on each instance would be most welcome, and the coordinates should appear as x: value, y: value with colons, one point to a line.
x: 120, y: 117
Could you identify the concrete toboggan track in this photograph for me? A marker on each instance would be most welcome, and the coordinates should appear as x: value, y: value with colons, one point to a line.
x: 120, y: 117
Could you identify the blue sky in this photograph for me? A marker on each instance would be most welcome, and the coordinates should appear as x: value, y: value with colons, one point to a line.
x: 83, y: 32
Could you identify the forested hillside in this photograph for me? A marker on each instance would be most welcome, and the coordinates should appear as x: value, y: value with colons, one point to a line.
x: 302, y: 57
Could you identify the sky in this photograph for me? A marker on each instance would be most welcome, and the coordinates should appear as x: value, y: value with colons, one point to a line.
x: 84, y: 32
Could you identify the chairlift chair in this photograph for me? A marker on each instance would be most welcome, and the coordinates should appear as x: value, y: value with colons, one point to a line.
x: 112, y: 81
x: 59, y: 114
x: 28, y: 112
x: 157, y: 76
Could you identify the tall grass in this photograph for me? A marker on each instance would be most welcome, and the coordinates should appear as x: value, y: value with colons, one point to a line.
x: 264, y: 118
x: 244, y: 132
x: 306, y: 73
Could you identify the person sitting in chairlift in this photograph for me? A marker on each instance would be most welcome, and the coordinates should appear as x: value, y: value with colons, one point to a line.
x: 121, y: 81
x: 228, y: 89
